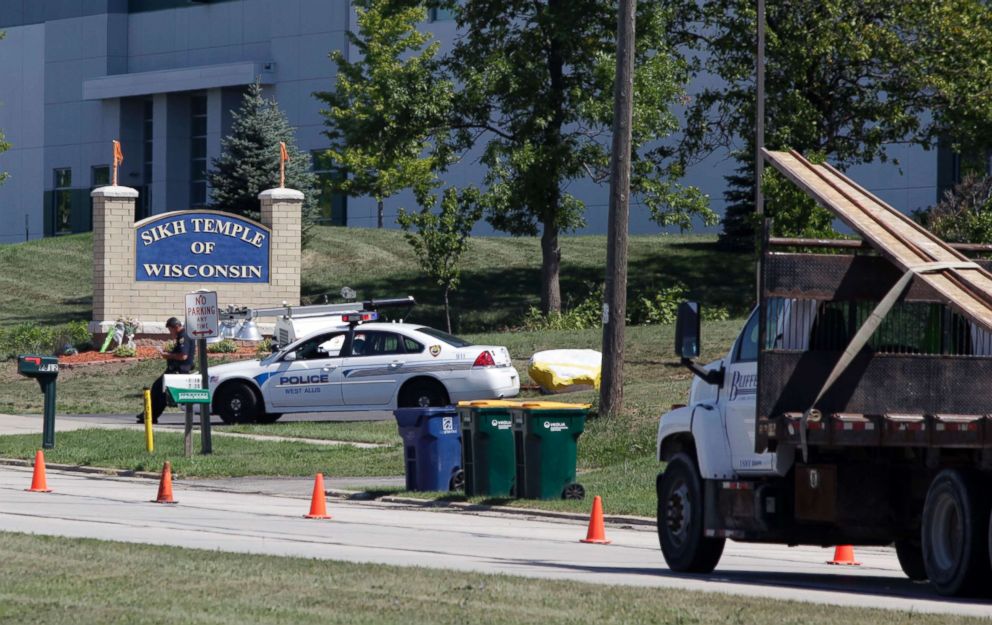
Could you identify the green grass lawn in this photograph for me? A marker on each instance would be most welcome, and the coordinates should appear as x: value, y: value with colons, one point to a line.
x: 615, y: 456
x: 63, y: 581
x: 231, y: 457
x: 500, y: 278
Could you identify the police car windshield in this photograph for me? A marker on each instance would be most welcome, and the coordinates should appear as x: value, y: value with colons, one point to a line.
x: 452, y: 340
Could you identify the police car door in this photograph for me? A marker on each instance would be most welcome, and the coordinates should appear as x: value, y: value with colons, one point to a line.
x: 738, y: 401
x: 374, y: 369
x: 308, y: 376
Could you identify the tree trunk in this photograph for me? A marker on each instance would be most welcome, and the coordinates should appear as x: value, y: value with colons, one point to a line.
x: 380, y: 213
x: 550, y: 267
x: 447, y: 310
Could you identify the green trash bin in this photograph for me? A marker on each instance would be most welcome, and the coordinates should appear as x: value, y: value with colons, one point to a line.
x: 488, y: 461
x: 545, y: 437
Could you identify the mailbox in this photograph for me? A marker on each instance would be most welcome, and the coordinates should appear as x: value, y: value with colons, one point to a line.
x: 45, y: 369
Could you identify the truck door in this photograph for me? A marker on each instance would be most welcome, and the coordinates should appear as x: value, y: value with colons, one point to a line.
x: 738, y: 402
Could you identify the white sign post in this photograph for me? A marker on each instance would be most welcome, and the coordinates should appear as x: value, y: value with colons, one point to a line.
x: 201, y: 324
x: 202, y: 314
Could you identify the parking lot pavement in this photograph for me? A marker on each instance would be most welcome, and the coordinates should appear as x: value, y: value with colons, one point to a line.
x: 118, y: 509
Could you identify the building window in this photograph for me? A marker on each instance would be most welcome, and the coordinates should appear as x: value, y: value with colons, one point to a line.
x: 332, y: 207
x: 198, y: 157
x: 440, y: 15
x: 100, y: 176
x: 147, y: 156
x: 62, y: 219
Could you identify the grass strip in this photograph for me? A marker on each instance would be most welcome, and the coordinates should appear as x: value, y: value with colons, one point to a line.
x: 62, y: 581
x: 380, y: 432
x: 231, y: 457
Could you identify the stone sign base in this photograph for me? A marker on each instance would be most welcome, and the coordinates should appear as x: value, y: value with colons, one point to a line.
x: 118, y: 294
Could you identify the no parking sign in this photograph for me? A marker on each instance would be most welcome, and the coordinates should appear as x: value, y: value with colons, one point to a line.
x: 201, y: 314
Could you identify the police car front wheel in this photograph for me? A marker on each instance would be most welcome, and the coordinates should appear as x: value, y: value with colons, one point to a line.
x: 236, y: 403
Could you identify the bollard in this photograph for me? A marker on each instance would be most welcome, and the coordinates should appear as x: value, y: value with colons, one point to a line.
x: 149, y: 434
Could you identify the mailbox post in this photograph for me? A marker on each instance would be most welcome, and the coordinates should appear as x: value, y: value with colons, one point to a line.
x: 44, y: 369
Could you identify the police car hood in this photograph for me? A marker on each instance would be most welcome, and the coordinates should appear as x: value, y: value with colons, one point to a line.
x: 242, y: 366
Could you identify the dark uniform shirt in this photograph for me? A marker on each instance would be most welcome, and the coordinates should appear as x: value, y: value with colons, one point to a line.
x: 187, y: 347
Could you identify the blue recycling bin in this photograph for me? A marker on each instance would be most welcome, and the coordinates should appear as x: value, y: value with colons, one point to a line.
x: 432, y: 448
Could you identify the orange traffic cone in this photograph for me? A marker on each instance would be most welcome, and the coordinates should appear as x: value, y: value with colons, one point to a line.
x: 38, y: 484
x: 844, y: 554
x: 165, y: 485
x: 318, y: 503
x: 597, y: 532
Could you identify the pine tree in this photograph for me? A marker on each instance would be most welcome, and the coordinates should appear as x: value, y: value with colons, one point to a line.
x: 249, y: 161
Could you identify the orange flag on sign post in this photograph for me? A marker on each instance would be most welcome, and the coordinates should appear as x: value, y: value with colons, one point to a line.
x: 283, y: 157
x: 118, y: 158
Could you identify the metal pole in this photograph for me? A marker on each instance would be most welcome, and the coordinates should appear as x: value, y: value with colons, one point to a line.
x: 615, y: 306
x: 188, y: 432
x: 759, y: 132
x: 206, y: 444
x: 48, y: 432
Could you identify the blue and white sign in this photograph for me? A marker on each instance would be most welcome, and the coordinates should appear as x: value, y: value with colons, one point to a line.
x: 201, y: 246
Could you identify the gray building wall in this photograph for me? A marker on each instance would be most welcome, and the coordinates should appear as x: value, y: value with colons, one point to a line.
x: 76, y: 74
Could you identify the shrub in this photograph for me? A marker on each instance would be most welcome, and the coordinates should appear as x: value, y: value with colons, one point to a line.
x: 74, y: 335
x: 964, y: 214
x: 587, y: 313
x: 26, y: 338
x: 226, y: 346
x: 264, y: 348
x: 126, y: 351
x: 663, y: 307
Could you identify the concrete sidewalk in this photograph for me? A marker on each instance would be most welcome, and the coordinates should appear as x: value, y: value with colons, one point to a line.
x: 23, y: 424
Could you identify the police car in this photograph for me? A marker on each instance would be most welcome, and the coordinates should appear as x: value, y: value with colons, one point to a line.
x: 371, y: 366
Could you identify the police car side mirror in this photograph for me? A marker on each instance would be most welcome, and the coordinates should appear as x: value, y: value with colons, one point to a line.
x: 289, y: 357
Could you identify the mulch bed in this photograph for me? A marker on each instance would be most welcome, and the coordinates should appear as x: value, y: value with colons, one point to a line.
x: 83, y: 359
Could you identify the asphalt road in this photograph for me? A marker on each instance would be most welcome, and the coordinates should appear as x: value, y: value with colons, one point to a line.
x: 118, y: 509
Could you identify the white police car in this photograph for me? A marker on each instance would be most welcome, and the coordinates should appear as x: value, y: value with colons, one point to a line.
x: 373, y: 366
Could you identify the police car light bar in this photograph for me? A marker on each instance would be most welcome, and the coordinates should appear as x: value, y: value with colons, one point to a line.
x: 359, y: 317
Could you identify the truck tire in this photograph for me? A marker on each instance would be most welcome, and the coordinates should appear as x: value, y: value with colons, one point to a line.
x: 680, y: 519
x: 236, y: 403
x: 955, y: 535
x: 910, y: 555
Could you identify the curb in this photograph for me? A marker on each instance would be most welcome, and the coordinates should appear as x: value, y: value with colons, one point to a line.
x: 17, y: 462
x: 634, y: 522
x: 612, y: 519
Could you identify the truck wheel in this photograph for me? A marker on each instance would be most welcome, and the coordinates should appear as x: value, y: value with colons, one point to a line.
x: 680, y: 519
x: 910, y: 555
x: 955, y: 537
x: 236, y: 403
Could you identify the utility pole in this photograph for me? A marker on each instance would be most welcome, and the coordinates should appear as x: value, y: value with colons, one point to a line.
x: 759, y: 131
x: 615, y: 306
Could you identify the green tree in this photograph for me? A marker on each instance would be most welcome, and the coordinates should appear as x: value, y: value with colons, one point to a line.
x: 535, y: 93
x: 383, y: 116
x: 964, y: 214
x: 843, y: 79
x: 441, y: 239
x: 249, y: 161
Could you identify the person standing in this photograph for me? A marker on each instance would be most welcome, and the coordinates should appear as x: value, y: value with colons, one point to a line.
x: 180, y: 359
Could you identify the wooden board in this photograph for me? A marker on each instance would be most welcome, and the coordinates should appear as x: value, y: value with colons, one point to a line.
x: 892, y: 234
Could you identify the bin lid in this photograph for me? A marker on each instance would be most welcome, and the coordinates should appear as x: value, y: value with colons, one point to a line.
x: 489, y: 403
x: 552, y: 405
x: 408, y: 417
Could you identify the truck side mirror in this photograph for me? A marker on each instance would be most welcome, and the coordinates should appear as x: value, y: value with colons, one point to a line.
x: 687, y: 343
x: 687, y: 330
